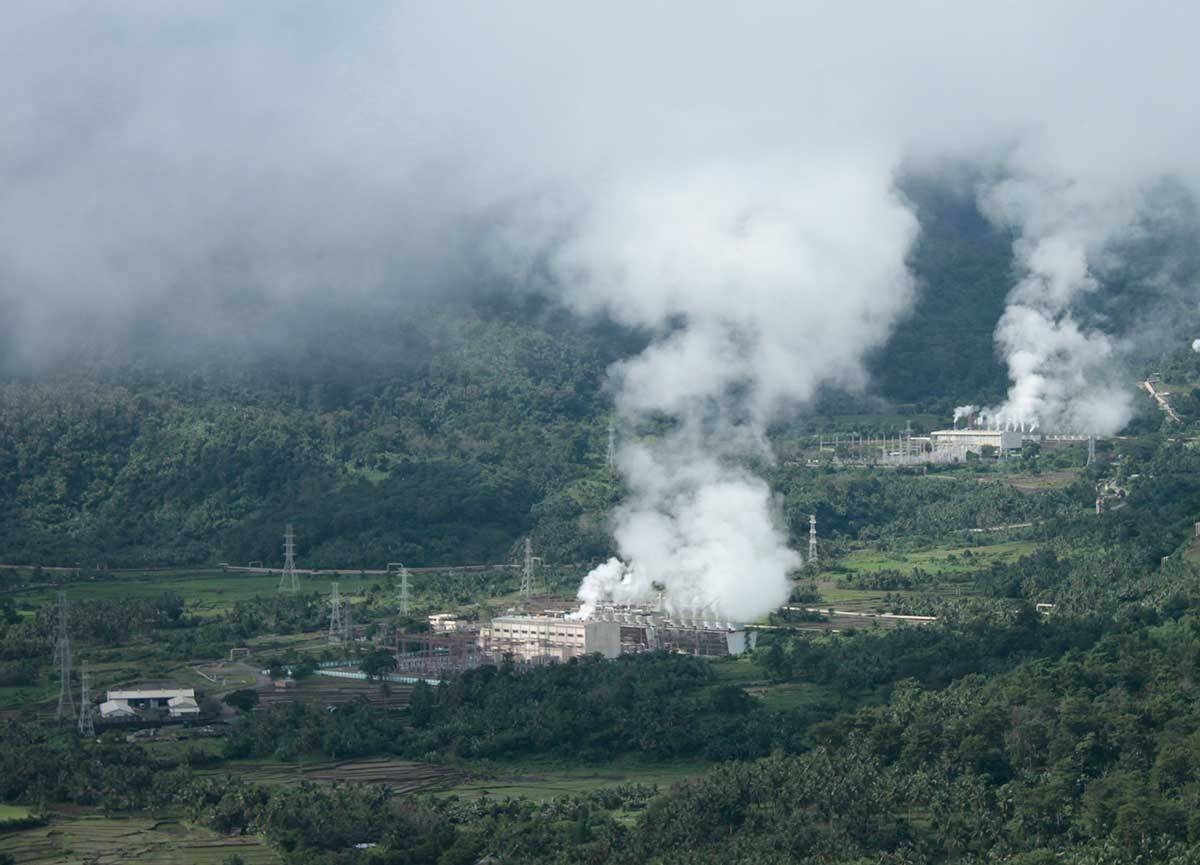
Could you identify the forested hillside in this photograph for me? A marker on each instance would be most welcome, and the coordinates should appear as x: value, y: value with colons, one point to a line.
x: 393, y: 433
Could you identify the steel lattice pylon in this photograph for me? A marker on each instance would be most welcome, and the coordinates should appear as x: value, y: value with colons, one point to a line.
x: 288, y: 580
x: 62, y: 659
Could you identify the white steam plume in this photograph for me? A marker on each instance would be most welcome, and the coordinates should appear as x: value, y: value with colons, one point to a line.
x: 1062, y: 374
x: 761, y: 280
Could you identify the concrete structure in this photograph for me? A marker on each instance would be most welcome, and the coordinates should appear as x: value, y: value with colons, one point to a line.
x: 183, y: 707
x: 644, y: 630
x: 117, y: 710
x: 150, y: 703
x: 534, y: 638
x: 445, y: 623
x: 975, y: 440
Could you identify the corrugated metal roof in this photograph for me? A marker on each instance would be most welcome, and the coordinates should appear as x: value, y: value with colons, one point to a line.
x: 153, y: 694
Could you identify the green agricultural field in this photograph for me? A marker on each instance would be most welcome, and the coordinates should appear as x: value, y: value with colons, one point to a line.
x: 951, y: 560
x: 14, y: 814
x: 205, y: 592
x: 98, y: 840
x: 541, y: 781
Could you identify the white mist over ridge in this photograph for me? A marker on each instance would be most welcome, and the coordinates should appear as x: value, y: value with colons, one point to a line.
x: 761, y: 280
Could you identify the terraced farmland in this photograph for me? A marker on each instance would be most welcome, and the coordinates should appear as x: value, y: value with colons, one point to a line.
x: 97, y: 840
x: 401, y: 775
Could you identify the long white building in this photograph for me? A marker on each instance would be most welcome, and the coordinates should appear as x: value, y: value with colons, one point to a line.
x: 975, y: 440
x: 531, y: 638
x: 174, y: 702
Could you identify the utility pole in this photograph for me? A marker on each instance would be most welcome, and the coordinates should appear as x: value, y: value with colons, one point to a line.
x: 87, y: 726
x: 335, y: 615
x: 812, y: 539
x: 288, y: 581
x: 62, y: 658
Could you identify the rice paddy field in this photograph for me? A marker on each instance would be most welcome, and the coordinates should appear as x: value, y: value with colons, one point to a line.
x: 92, y: 839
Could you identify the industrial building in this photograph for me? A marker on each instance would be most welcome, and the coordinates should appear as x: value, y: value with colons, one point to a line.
x: 650, y: 631
x: 534, y: 638
x: 152, y: 703
x: 975, y: 440
x: 610, y: 632
x: 445, y: 623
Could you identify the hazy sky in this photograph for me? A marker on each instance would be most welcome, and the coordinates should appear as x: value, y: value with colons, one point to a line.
x: 187, y: 156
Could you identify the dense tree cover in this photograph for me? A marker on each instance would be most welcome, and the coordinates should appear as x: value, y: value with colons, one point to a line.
x: 656, y: 706
x: 422, y: 435
x: 860, y: 504
x: 1080, y: 748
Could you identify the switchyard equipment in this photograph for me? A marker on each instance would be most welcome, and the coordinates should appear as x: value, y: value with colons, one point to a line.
x: 430, y: 655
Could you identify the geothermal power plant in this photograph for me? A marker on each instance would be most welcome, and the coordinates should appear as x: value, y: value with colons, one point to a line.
x: 528, y: 639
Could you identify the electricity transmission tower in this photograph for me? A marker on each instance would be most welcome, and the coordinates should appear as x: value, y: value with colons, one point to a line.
x: 527, y: 569
x: 404, y: 591
x: 87, y: 726
x: 62, y: 658
x: 288, y: 581
x: 812, y: 539
x: 1091, y: 450
x: 335, y: 615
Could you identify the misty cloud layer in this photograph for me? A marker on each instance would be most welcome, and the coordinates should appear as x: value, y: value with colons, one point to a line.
x: 722, y: 176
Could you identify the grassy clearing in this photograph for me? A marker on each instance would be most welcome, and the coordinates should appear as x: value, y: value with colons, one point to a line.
x: 541, y: 781
x: 14, y: 813
x: 949, y: 560
x: 791, y: 696
x: 741, y: 670
x: 1030, y: 483
x: 145, y: 840
x: 206, y: 592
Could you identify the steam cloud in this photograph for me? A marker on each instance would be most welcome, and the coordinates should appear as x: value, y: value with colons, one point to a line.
x: 1063, y: 377
x: 761, y: 280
